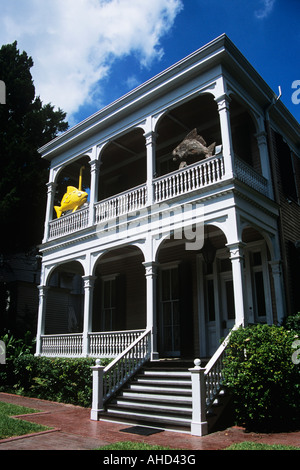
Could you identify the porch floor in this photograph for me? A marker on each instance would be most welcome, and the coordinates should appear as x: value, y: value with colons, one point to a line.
x: 73, y: 430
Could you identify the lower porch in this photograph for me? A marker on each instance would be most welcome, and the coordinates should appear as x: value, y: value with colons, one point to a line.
x: 187, y: 299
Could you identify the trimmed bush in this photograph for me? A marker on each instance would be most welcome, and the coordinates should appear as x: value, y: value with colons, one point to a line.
x: 262, y: 378
x: 55, y: 379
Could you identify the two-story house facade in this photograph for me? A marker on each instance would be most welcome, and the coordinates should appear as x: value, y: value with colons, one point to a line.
x: 184, y: 251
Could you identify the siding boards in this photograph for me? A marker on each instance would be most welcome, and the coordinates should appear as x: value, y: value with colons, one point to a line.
x: 288, y: 189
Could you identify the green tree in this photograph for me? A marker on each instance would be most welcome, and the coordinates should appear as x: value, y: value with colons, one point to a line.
x: 25, y: 125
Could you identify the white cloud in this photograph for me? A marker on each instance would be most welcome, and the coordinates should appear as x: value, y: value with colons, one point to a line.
x: 131, y: 82
x: 266, y: 9
x: 74, y: 42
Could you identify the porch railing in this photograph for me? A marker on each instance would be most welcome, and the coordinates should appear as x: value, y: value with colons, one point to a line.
x: 69, y: 345
x: 108, y: 380
x: 69, y: 223
x: 188, y: 179
x: 183, y: 181
x: 121, y: 204
x: 111, y: 343
x: 248, y: 175
x: 102, y: 344
x: 214, y: 370
x: 206, y: 385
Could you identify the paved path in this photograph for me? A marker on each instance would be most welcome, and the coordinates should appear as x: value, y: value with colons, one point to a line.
x: 73, y: 430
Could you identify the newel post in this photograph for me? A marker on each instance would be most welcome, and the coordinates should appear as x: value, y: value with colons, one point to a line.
x: 97, y: 402
x: 199, y: 426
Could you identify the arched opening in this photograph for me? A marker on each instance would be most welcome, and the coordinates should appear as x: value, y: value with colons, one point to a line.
x: 123, y: 164
x: 119, y: 301
x: 200, y: 113
x: 65, y: 298
x: 76, y: 175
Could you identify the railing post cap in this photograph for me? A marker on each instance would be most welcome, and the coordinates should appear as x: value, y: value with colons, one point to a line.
x: 197, y: 363
x: 197, y: 368
x: 97, y: 365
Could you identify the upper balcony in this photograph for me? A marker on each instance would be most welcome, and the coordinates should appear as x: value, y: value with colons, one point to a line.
x: 172, y: 185
x: 121, y: 181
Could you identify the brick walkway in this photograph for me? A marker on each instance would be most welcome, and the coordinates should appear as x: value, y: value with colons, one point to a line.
x: 73, y: 430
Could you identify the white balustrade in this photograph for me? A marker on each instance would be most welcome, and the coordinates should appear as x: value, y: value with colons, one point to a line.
x: 107, y: 381
x: 177, y: 183
x: 214, y: 370
x: 101, y: 344
x: 248, y: 175
x: 67, y: 224
x: 68, y: 345
x: 111, y: 343
x: 206, y: 385
x: 121, y: 204
x: 190, y: 178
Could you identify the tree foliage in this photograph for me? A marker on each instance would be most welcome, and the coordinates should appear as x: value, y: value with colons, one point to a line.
x: 25, y: 125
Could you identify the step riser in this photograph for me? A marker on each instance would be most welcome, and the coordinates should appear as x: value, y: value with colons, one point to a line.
x: 155, y: 396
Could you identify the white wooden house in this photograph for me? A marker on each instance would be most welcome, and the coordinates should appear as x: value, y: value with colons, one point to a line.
x: 178, y: 256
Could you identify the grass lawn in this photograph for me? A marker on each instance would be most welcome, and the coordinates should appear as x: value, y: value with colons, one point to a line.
x: 10, y: 427
x: 128, y: 445
x: 249, y: 445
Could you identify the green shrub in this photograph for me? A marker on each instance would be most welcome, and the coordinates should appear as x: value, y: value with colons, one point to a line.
x: 263, y: 380
x: 65, y: 380
x: 56, y: 379
x: 292, y: 322
x: 15, y: 348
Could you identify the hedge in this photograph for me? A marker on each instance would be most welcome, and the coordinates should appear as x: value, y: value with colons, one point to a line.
x: 262, y: 377
x: 56, y: 379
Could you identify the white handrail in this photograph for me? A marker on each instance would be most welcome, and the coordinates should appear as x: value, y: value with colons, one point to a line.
x: 206, y: 385
x: 126, y: 364
x: 214, y: 370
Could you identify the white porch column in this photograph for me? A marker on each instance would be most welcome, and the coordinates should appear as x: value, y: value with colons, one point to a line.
x: 278, y: 289
x: 43, y: 290
x: 89, y: 282
x: 95, y: 165
x: 50, y: 203
x: 150, y: 147
x: 227, y: 148
x: 151, y: 280
x: 237, y: 261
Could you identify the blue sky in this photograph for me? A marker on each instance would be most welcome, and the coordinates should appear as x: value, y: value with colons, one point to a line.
x: 87, y: 53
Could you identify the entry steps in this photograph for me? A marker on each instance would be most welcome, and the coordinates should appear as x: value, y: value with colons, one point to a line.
x: 159, y: 395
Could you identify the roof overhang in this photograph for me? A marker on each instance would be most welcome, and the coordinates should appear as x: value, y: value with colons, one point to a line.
x: 220, y: 51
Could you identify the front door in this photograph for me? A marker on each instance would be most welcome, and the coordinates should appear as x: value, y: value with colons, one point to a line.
x: 170, y: 312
